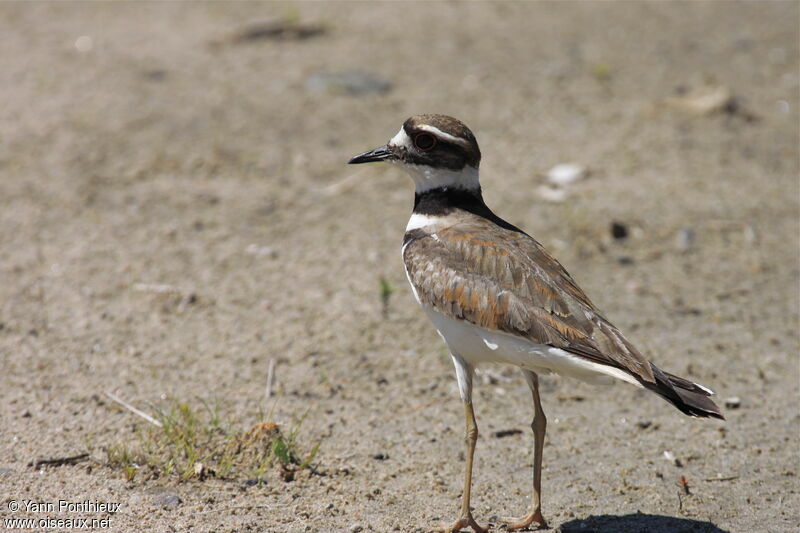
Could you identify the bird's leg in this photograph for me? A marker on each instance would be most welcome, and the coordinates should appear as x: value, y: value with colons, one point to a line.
x: 464, y: 373
x: 539, y: 425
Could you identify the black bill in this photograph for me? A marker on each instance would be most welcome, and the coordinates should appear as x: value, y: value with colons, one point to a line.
x: 382, y: 153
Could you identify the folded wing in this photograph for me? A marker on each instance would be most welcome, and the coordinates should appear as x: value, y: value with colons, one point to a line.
x: 502, y: 279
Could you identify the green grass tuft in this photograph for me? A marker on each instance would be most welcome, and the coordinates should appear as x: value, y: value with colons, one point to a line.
x: 387, y: 289
x: 199, y: 443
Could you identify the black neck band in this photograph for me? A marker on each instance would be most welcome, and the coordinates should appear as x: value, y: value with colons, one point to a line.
x: 444, y: 200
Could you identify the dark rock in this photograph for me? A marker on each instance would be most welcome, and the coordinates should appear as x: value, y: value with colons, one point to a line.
x: 155, y: 75
x: 276, y: 30
x: 619, y: 231
x: 506, y: 433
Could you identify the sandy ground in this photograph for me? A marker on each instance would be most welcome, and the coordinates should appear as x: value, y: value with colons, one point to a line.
x: 140, y: 145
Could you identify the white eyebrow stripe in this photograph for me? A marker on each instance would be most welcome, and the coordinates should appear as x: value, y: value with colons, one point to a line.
x: 439, y: 133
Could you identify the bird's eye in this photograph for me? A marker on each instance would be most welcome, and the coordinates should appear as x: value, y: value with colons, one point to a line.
x: 424, y: 141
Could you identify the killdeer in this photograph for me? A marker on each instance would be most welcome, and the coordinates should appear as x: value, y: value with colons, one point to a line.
x: 495, y: 295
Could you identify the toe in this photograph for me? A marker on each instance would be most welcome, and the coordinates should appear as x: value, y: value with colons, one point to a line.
x: 477, y: 527
x: 453, y: 527
x: 525, y: 522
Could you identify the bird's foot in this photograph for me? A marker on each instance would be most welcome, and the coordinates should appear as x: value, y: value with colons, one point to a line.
x: 458, y: 525
x: 524, y: 522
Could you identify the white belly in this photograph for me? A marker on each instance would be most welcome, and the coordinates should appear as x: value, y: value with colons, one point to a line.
x: 479, y: 345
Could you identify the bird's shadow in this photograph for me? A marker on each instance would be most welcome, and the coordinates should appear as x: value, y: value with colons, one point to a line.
x: 638, y: 523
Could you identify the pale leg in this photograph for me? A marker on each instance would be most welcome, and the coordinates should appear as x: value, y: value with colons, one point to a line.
x: 539, y: 425
x: 464, y: 372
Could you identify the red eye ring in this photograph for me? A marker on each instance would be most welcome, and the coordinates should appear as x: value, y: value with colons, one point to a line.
x: 424, y: 141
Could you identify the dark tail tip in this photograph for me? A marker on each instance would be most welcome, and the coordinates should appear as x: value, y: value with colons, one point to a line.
x: 690, y: 398
x: 697, y: 404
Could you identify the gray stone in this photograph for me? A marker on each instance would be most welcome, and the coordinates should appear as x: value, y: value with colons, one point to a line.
x: 350, y: 82
x: 167, y: 500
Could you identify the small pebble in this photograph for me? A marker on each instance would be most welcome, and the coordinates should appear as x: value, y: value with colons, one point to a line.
x: 644, y: 424
x: 380, y: 456
x: 83, y: 43
x: 749, y: 234
x: 260, y: 251
x: 702, y: 100
x: 635, y: 287
x: 201, y: 471
x: 669, y: 456
x: 684, y: 239
x: 566, y: 174
x: 734, y: 402
x: 356, y: 528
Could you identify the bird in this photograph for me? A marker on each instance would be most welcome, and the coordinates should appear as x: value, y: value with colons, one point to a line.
x: 495, y: 295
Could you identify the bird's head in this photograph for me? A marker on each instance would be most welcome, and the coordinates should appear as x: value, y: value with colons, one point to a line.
x: 436, y: 150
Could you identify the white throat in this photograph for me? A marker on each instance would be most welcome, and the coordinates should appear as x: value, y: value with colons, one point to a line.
x: 427, y: 178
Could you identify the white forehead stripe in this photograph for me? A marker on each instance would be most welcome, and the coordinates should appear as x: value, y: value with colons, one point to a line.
x: 401, y: 139
x: 442, y: 135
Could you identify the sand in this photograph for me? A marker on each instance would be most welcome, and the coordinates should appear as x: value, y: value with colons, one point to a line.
x: 175, y: 212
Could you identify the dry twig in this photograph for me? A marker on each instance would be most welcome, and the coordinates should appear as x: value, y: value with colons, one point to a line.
x: 60, y: 461
x: 132, y: 409
x: 270, y: 377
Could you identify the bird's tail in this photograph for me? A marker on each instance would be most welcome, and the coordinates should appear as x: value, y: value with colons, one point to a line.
x: 691, y: 398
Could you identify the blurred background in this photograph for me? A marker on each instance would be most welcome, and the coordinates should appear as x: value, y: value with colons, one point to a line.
x: 179, y: 230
